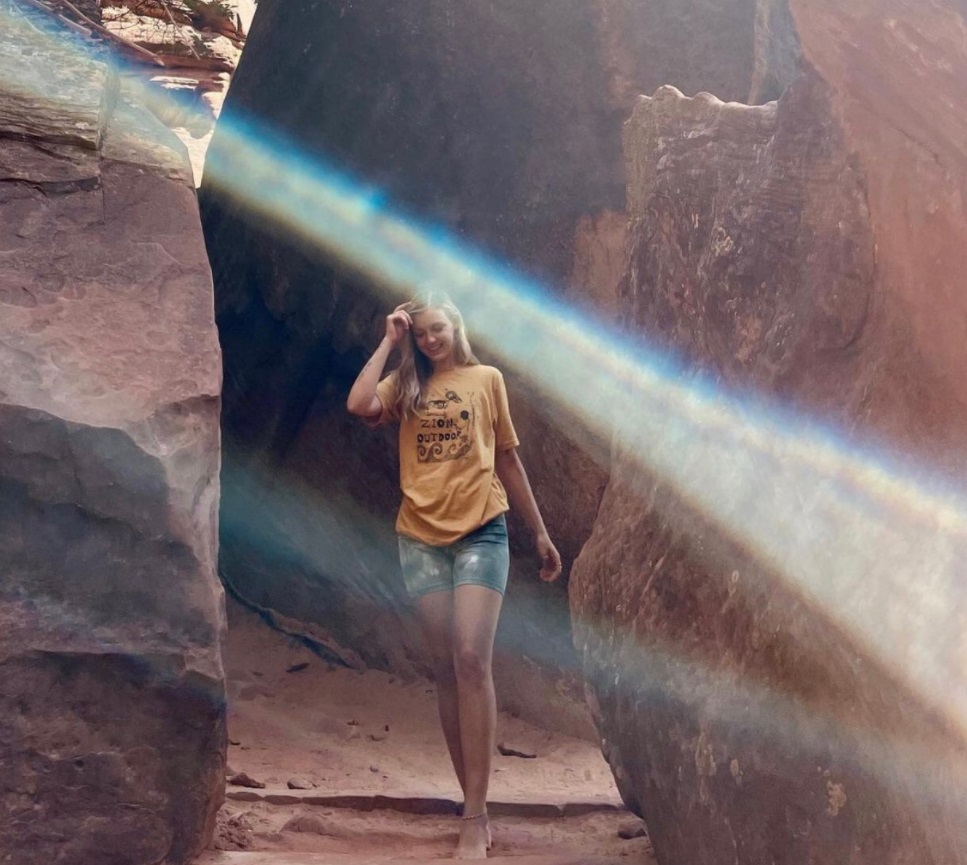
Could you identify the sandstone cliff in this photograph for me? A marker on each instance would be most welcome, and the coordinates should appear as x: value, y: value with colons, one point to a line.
x: 112, y: 746
x: 769, y: 606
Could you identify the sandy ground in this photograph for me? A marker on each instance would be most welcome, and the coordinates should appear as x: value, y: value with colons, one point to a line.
x: 294, y: 717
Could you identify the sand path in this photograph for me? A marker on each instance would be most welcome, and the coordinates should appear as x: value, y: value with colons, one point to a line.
x: 380, y: 788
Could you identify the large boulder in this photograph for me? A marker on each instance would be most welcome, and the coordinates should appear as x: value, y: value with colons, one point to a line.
x: 769, y: 607
x: 112, y: 746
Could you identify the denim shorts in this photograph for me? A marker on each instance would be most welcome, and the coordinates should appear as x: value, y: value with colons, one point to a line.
x: 481, y: 558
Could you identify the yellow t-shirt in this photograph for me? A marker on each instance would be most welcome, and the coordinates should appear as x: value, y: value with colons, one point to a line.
x: 447, y: 453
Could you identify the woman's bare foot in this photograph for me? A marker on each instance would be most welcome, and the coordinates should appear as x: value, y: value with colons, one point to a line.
x: 475, y: 838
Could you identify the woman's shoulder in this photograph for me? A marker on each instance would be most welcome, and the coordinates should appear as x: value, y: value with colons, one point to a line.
x: 483, y: 370
x: 486, y: 378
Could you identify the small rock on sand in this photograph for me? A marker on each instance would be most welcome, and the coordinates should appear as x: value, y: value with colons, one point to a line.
x: 242, y: 779
x: 633, y: 829
x: 511, y: 751
x: 309, y: 823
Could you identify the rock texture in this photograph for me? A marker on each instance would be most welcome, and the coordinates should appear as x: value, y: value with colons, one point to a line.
x: 499, y: 121
x: 177, y: 55
x: 112, y: 746
x: 200, y: 50
x: 773, y: 641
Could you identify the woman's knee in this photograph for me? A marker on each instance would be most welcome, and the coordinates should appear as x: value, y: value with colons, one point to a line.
x: 471, y: 665
x: 443, y: 670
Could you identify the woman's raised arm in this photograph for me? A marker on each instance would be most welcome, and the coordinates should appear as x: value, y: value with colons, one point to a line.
x: 362, y: 400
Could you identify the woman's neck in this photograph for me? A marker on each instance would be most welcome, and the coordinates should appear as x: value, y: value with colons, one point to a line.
x: 444, y: 366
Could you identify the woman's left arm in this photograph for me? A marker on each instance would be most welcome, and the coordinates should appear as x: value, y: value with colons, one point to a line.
x: 511, y: 472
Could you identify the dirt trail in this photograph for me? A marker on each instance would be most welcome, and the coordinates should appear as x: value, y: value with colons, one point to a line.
x: 371, y: 741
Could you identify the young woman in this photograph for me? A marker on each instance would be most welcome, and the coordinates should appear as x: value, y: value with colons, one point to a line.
x: 458, y: 465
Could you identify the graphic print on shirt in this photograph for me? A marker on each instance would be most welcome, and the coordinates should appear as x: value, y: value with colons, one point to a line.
x: 446, y: 427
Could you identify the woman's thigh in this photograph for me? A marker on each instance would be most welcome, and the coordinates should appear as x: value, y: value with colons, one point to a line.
x: 476, y: 610
x: 435, y: 612
x: 480, y: 567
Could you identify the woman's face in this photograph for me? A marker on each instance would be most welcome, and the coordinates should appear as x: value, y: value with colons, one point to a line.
x: 433, y: 333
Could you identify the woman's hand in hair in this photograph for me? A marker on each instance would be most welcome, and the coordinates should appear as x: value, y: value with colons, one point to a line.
x: 362, y: 400
x: 398, y: 322
x: 550, y: 559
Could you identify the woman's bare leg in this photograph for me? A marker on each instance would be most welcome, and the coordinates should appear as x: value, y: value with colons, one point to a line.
x: 475, y: 613
x: 435, y: 612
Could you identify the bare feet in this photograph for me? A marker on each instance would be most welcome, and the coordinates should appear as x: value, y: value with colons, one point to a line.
x: 475, y: 838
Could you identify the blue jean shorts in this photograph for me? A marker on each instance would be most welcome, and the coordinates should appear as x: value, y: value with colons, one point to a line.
x: 481, y: 558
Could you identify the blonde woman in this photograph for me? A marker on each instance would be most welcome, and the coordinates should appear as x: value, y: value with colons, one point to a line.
x: 458, y: 466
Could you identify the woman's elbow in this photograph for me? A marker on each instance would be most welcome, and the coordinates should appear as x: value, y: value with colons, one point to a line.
x: 358, y: 407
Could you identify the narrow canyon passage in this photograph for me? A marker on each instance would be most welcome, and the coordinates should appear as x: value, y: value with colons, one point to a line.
x: 716, y: 249
x: 366, y: 748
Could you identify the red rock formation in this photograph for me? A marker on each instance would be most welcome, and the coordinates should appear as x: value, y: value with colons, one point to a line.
x: 896, y: 71
x: 774, y: 657
x: 112, y: 745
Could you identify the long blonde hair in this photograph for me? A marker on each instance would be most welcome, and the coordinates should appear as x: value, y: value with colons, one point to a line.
x: 415, y: 367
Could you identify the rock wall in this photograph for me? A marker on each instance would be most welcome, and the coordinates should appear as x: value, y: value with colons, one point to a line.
x: 112, y: 747
x: 695, y: 45
x: 772, y: 639
x: 499, y: 122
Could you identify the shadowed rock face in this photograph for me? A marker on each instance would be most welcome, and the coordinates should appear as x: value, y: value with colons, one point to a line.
x: 772, y: 640
x: 694, y: 45
x: 499, y: 121
x: 112, y: 746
